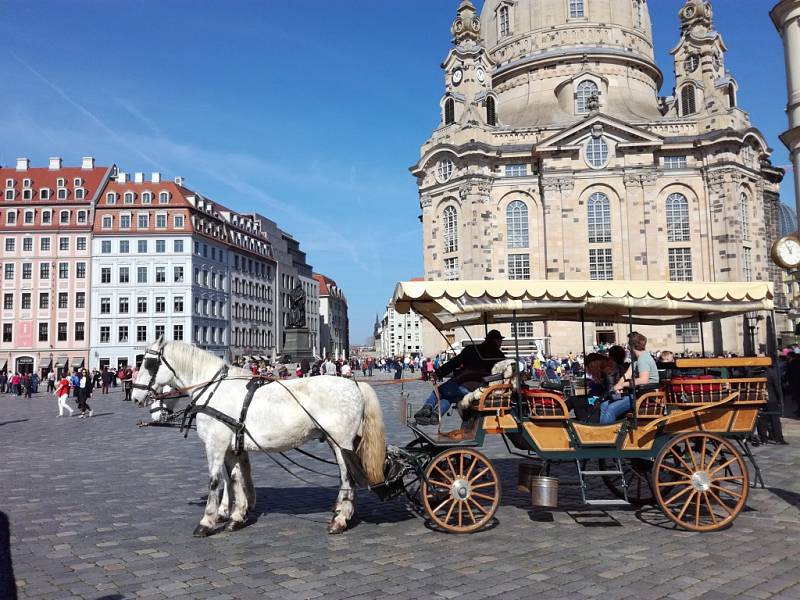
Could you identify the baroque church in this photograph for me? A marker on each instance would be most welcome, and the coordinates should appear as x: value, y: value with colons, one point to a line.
x: 556, y: 158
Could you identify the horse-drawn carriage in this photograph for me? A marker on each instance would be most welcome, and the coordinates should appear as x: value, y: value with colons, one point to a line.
x: 681, y: 446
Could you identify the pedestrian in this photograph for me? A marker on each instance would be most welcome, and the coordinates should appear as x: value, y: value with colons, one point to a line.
x: 370, y: 366
x: 15, y: 384
x: 127, y: 383
x: 25, y: 384
x: 35, y: 383
x: 51, y: 381
x: 85, y: 386
x: 62, y: 395
x: 105, y: 378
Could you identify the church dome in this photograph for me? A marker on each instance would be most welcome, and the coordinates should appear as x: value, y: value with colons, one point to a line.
x: 539, y: 45
x: 787, y: 220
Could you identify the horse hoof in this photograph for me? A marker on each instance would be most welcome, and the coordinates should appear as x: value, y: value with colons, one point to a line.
x: 234, y: 525
x: 336, y: 528
x: 202, y: 531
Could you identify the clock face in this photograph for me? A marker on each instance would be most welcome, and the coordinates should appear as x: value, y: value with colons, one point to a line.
x: 786, y: 252
x: 481, y: 74
x: 457, y: 76
x: 691, y: 63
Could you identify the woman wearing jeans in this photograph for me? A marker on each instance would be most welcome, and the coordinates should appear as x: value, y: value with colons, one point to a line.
x: 643, y: 371
x: 85, y: 386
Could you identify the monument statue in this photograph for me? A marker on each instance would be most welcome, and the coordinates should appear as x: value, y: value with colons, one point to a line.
x: 297, y: 306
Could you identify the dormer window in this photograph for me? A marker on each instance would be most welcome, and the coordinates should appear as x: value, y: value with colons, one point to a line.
x: 163, y: 197
x: 9, y: 183
x: 44, y: 194
x: 504, y: 21
x: 111, y: 198
x: 77, y: 182
x: 61, y: 194
x: 147, y: 197
x: 10, y: 194
x: 26, y: 183
x: 61, y: 182
x: 583, y: 93
x: 129, y: 197
x: 80, y: 193
x: 27, y: 194
x: 576, y: 9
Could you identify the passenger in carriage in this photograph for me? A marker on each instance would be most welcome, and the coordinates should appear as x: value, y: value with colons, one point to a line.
x: 469, y: 368
x: 603, y: 375
x: 642, y: 372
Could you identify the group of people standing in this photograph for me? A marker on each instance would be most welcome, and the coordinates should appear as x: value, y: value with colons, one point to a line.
x: 19, y: 384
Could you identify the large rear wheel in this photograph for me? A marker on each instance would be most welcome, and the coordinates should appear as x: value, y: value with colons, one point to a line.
x: 700, y: 481
x: 461, y: 491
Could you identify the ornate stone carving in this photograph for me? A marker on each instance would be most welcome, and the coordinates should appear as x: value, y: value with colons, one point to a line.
x: 425, y: 201
x: 643, y: 177
x: 554, y: 184
x: 463, y: 190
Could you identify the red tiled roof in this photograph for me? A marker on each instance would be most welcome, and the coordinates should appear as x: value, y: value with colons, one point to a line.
x: 48, y: 178
x: 418, y: 279
x: 325, y: 283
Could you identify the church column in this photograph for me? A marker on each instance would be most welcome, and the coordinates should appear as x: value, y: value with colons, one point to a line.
x: 480, y: 233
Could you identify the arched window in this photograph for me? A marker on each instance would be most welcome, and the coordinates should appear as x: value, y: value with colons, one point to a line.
x: 677, y: 218
x: 128, y: 197
x: 449, y: 111
x: 450, y: 229
x: 491, y: 111
x: 731, y: 96
x: 147, y: 197
x: 504, y: 21
x: 517, y: 224
x: 584, y: 91
x: 599, y: 218
x: 744, y: 207
x: 597, y: 152
x: 688, y: 106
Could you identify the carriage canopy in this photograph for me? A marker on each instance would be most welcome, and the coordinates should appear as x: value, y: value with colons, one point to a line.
x: 449, y: 304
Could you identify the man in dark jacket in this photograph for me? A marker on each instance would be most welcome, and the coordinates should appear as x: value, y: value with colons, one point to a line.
x: 469, y: 368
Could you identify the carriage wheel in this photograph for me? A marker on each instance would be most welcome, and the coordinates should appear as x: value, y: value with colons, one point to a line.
x: 461, y: 492
x: 700, y: 481
x: 636, y: 472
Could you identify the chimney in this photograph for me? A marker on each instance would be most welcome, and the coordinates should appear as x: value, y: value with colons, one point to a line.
x: 55, y: 163
x: 122, y: 177
x: 138, y: 177
x: 155, y: 177
x: 87, y: 162
x: 22, y: 164
x: 179, y: 181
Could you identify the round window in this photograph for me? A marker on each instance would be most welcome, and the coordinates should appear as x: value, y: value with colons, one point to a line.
x: 444, y: 170
x: 691, y: 63
x: 597, y: 153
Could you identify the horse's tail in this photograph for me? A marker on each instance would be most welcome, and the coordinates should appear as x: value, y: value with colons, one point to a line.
x: 372, y: 447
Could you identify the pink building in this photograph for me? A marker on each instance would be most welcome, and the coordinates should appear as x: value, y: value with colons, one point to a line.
x: 45, y: 226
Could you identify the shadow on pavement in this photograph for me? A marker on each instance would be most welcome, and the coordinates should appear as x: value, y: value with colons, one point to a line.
x: 14, y: 421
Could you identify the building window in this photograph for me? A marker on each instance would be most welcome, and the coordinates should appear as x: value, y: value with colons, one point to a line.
x: 64, y: 216
x: 147, y: 197
x: 675, y: 162
x: 688, y: 106
x: 141, y: 304
x: 63, y: 270
x: 105, y: 275
x: 160, y: 331
x: 8, y: 301
x: 161, y: 304
x: 46, y: 217
x: 161, y: 221
x: 44, y: 300
x: 599, y: 218
x: 600, y: 265
x: 122, y: 333
x: 63, y: 243
x: 7, y: 335
x: 177, y: 333
x: 161, y: 246
x: 638, y: 12
x: 63, y: 300
x: 161, y: 274
x: 107, y: 222
x: 163, y: 197
x: 731, y: 96
x: 9, y: 271
x: 444, y: 170
x: 677, y: 218
x: 62, y: 332
x: 44, y: 244
x: 449, y: 111
x: 43, y: 332
x: 516, y: 170
x: 524, y: 330
x: 504, y: 21
x: 177, y: 304
x: 177, y: 246
x: 28, y: 218
x: 141, y: 274
x: 105, y: 334
x: 111, y: 198
x: 178, y: 221
x: 747, y: 264
x: 26, y: 301
x: 80, y: 331
x: 128, y: 197
x: 124, y: 275
x: 597, y: 152
x: 105, y: 247
x: 27, y: 244
x: 27, y: 270
x: 451, y: 269
x: 576, y: 9
x: 141, y: 246
x: 450, y: 229
x: 80, y: 270
x: 105, y: 306
x: 744, y: 209
x: 519, y: 266
x: 80, y: 299
x: 177, y: 274
x: 491, y: 111
x: 517, y: 224
x: 61, y: 193
x: 141, y: 333
x: 81, y: 217
x: 680, y: 264
x: 10, y: 244
x: 124, y: 221
x: 124, y: 247
x: 142, y: 221
x: 123, y: 306
x: 691, y: 63
x: 584, y: 91
x: 687, y: 333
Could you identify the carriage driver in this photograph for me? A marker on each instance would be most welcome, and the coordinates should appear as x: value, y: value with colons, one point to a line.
x: 469, y: 368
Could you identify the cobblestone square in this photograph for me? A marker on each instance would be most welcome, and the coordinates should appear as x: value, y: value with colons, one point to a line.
x: 101, y: 509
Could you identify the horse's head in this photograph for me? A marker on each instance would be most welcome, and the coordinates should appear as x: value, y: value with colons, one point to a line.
x: 154, y: 374
x: 163, y: 407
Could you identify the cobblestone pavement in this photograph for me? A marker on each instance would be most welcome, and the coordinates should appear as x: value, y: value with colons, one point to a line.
x: 101, y: 509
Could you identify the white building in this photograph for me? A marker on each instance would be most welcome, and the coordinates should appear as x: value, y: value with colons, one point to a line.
x: 401, y: 335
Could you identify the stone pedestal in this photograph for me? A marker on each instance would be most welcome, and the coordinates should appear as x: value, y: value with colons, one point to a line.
x: 297, y: 344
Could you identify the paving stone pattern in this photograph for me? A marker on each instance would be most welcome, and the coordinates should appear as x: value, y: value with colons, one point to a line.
x: 101, y: 509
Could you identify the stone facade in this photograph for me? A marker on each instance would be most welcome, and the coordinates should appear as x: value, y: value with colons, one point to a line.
x: 556, y: 159
x: 334, y: 322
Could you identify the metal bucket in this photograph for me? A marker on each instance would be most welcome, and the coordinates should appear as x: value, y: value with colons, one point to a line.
x: 525, y: 473
x: 544, y: 492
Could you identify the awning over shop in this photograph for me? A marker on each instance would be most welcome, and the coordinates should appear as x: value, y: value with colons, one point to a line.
x: 61, y: 362
x: 46, y: 363
x: 5, y: 364
x: 77, y: 362
x: 449, y: 304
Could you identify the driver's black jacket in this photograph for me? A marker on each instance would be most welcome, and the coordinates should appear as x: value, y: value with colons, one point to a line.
x: 472, y: 364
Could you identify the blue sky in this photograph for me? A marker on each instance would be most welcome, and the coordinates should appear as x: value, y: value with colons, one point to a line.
x: 308, y: 112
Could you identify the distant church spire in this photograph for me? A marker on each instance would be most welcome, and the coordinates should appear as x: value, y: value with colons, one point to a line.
x: 466, y: 26
x: 696, y: 17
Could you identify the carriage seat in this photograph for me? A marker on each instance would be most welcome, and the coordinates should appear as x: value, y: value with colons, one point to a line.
x: 545, y: 405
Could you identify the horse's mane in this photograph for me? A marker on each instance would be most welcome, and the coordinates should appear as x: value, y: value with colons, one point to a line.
x: 196, y: 362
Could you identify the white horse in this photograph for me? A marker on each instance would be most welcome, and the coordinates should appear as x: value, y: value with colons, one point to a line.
x: 345, y: 414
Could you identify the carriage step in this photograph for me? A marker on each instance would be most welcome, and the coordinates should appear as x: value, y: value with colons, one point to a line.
x: 614, y: 502
x: 601, y: 472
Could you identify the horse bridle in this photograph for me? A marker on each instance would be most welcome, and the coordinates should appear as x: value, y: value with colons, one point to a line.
x: 151, y: 365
